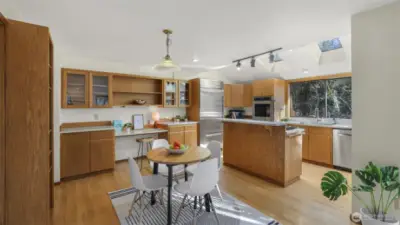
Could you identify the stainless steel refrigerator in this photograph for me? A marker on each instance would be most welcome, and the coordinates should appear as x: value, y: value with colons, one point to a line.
x: 211, y: 110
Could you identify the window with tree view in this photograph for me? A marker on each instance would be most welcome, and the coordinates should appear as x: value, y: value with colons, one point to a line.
x: 325, y: 98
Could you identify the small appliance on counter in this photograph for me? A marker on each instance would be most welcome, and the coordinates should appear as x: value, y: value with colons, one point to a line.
x: 236, y: 114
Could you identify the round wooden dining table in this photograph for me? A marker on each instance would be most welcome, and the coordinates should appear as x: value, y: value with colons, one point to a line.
x: 161, y: 156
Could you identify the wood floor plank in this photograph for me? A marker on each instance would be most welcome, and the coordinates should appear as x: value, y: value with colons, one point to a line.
x: 85, y: 201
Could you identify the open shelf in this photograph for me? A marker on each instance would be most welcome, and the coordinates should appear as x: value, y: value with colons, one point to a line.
x: 135, y: 92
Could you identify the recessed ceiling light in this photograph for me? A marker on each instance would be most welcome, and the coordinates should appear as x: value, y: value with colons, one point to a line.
x: 290, y: 50
x: 195, y: 59
x: 305, y: 71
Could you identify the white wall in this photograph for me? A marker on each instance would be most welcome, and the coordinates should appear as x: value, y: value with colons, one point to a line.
x: 376, y: 80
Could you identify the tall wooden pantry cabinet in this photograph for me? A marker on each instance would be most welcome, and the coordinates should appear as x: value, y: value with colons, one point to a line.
x: 26, y: 121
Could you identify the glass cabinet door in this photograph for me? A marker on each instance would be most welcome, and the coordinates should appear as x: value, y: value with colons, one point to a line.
x: 170, y: 93
x: 75, y: 93
x: 100, y: 91
x: 184, y: 94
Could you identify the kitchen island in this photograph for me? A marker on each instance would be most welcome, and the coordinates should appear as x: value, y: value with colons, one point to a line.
x: 264, y: 149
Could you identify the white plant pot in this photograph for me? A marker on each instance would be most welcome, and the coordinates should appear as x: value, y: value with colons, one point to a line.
x: 367, y: 219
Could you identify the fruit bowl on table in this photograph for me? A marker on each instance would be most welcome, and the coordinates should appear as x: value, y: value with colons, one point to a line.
x: 177, y: 148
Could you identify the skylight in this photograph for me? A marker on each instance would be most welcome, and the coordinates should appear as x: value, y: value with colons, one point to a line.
x: 329, y: 45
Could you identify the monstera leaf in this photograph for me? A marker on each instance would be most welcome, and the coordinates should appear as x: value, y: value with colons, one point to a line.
x: 390, y: 178
x: 334, y: 185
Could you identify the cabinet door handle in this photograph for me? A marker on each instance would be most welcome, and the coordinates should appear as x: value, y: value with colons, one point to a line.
x: 349, y: 135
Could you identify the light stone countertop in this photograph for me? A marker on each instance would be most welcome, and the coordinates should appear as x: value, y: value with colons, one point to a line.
x: 315, y: 124
x: 294, y: 123
x: 139, y: 132
x: 250, y: 121
x: 177, y: 123
x: 85, y: 129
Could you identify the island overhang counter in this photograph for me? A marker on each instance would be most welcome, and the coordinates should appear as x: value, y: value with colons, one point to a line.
x: 264, y: 149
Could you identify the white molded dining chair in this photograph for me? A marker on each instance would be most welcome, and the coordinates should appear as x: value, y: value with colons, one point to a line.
x: 177, y: 171
x: 215, y: 148
x: 145, y: 184
x: 205, y: 177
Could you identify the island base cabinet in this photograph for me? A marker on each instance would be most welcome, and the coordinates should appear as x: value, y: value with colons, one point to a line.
x: 75, y: 154
x: 101, y: 155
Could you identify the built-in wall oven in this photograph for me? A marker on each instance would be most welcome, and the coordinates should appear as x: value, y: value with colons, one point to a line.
x: 263, y: 108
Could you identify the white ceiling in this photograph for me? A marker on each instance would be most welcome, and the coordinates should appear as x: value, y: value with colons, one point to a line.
x: 127, y: 33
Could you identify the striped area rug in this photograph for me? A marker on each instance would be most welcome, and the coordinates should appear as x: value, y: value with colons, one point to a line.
x: 230, y: 211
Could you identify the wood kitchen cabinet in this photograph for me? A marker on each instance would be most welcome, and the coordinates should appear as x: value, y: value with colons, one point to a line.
x: 83, y: 89
x: 87, y: 152
x: 263, y: 87
x: 238, y: 95
x: 320, y: 145
x: 75, y: 154
x: 227, y: 95
x: 100, y: 90
x: 184, y: 93
x: 184, y: 134
x: 102, y: 152
x: 75, y: 89
x: 191, y: 135
x: 170, y: 93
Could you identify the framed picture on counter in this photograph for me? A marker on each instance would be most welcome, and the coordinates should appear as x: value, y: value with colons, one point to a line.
x: 138, y: 121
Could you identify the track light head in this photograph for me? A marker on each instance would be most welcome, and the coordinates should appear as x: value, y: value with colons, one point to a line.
x: 271, y: 57
x: 253, y: 62
x: 238, y: 65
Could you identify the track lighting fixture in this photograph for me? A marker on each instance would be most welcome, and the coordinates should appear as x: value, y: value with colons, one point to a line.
x: 253, y: 58
x: 271, y: 57
x: 238, y: 65
x: 253, y: 62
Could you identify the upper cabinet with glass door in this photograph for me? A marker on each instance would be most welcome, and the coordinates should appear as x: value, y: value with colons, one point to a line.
x: 184, y: 94
x: 75, y: 89
x: 100, y: 90
x: 171, y: 97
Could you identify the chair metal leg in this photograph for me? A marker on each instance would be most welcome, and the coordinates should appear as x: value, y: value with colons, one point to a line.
x: 180, y: 208
x: 141, y: 211
x: 195, y: 202
x: 219, y: 192
x: 133, y: 203
x: 194, y: 218
x: 161, y: 196
x: 213, y: 209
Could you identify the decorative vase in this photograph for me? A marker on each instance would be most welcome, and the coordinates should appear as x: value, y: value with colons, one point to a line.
x: 367, y: 219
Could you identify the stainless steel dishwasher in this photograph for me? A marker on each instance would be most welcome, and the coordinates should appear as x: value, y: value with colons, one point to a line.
x: 342, y: 149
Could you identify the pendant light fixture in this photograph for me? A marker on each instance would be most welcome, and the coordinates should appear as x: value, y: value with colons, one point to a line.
x: 167, y: 65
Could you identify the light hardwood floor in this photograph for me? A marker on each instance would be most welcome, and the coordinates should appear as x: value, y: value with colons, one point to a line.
x: 85, y: 201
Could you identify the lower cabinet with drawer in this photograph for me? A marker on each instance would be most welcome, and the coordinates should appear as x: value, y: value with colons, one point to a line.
x: 86, y: 152
x: 184, y: 134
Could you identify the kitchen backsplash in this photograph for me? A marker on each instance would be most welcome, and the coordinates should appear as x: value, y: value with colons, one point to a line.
x: 117, y: 113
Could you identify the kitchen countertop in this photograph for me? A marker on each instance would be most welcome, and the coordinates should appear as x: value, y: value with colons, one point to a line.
x: 294, y: 123
x: 177, y: 123
x: 139, y: 132
x: 85, y: 129
x: 250, y: 121
x: 315, y: 124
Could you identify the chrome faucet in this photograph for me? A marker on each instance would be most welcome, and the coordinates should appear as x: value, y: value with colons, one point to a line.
x: 317, y: 115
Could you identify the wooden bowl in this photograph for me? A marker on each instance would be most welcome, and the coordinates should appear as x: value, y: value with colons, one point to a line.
x: 140, y: 102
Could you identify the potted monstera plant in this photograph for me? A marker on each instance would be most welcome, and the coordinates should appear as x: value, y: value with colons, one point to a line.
x: 380, y: 183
